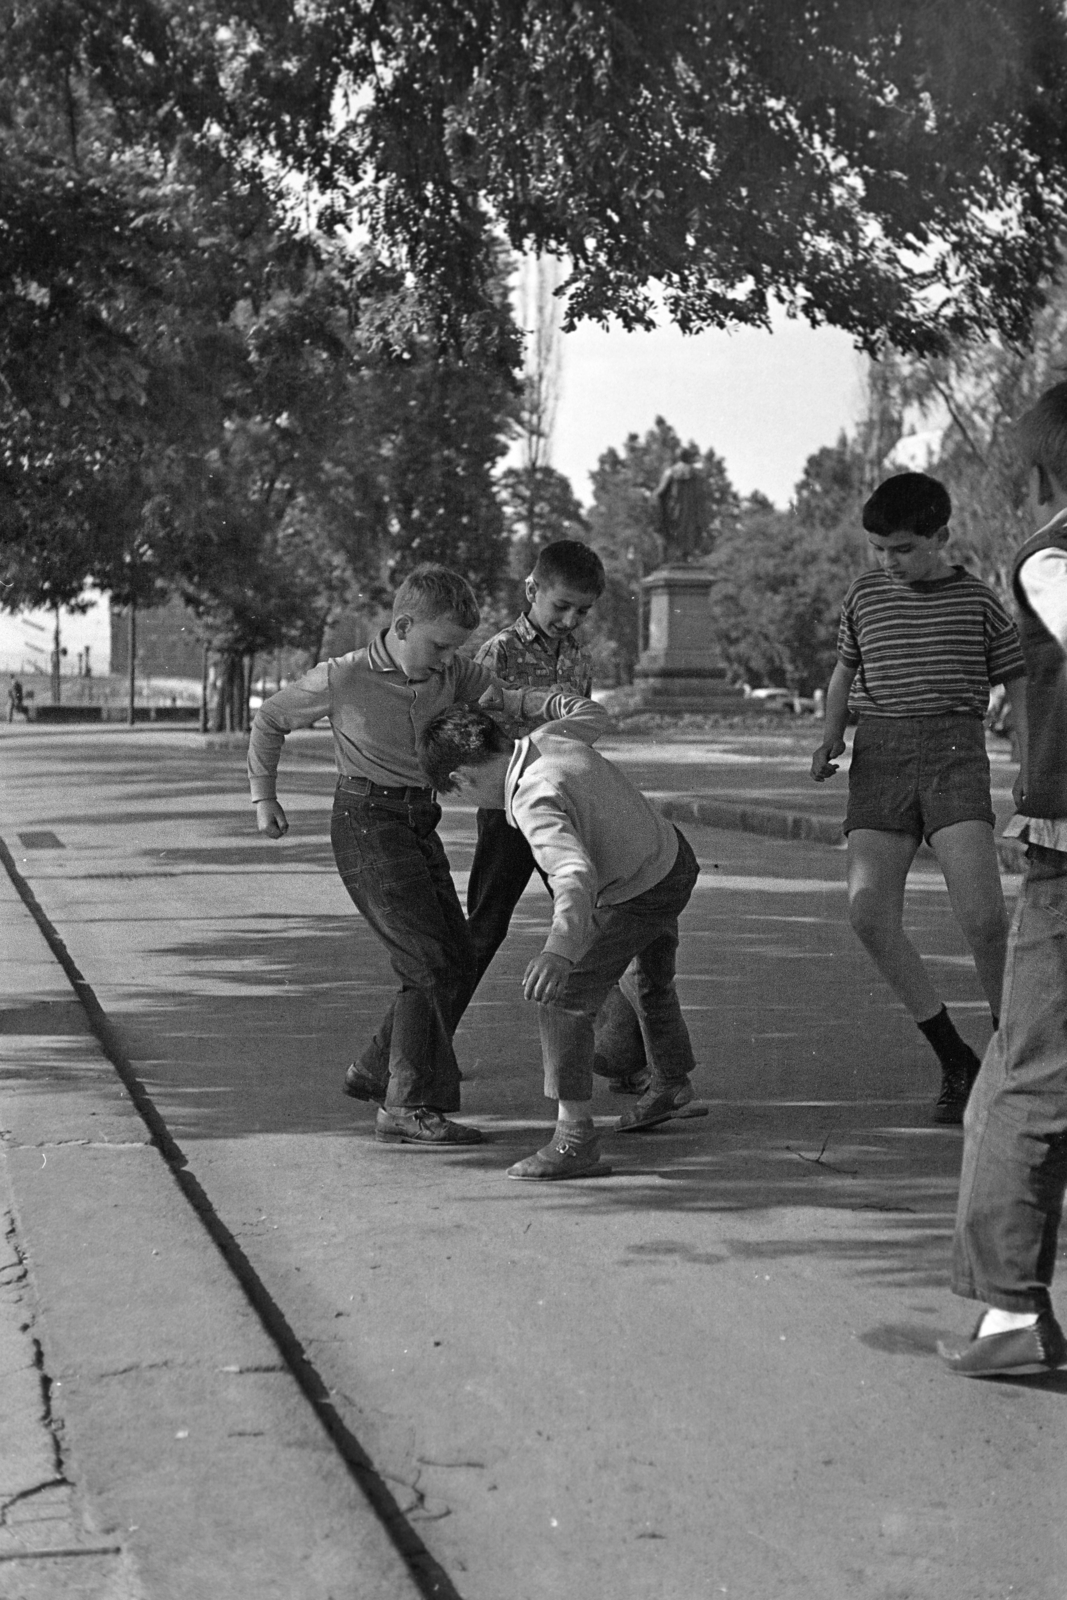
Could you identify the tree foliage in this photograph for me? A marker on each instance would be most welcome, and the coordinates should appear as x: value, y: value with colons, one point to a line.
x: 196, y: 392
x: 891, y: 168
x: 894, y: 169
x: 953, y: 416
x: 781, y: 575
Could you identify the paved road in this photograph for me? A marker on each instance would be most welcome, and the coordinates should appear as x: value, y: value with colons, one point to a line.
x: 711, y: 1373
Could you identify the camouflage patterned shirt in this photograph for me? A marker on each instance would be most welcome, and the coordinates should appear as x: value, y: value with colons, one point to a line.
x: 521, y: 657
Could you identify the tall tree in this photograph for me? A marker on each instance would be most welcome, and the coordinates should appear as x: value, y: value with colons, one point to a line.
x: 890, y: 168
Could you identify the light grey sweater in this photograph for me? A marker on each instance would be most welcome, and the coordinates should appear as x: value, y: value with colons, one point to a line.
x: 592, y: 832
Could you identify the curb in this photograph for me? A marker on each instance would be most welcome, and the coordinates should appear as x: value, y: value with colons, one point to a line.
x: 202, y: 1445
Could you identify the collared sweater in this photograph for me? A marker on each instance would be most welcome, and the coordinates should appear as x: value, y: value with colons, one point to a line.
x: 594, y: 834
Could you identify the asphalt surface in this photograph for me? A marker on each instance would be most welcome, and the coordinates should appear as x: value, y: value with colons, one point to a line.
x: 711, y: 1373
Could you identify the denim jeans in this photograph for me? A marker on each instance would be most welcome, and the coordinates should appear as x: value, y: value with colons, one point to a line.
x: 634, y: 945
x: 501, y: 869
x: 393, y: 865
x: 1015, y: 1145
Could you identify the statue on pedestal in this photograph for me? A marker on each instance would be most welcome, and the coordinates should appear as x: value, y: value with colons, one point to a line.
x: 681, y: 498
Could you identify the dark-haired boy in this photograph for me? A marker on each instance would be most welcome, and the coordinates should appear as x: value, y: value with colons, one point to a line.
x: 620, y: 875
x: 1015, y: 1131
x: 919, y: 645
x: 378, y: 700
x: 537, y: 650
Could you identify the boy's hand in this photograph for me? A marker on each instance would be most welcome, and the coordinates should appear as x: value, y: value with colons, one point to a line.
x: 492, y: 699
x: 822, y: 762
x: 271, y: 819
x: 545, y: 977
x: 1018, y: 790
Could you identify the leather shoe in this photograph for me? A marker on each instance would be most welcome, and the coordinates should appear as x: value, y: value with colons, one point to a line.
x: 361, y: 1086
x: 565, y: 1156
x: 422, y: 1126
x: 1017, y: 1353
x: 652, y: 1109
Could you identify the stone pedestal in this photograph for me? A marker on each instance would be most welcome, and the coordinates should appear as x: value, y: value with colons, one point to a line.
x: 681, y: 669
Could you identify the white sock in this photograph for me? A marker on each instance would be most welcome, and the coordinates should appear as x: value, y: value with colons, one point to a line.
x: 997, y: 1321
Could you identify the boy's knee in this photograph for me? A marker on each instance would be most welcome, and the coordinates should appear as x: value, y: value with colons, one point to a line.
x: 987, y: 927
x: 866, y: 915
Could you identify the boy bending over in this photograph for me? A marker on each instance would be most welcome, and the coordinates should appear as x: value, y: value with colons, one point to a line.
x: 620, y: 875
x: 920, y: 643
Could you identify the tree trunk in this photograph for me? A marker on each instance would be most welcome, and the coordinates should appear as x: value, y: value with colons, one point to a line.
x: 132, y: 663
x: 230, y: 708
x: 203, y: 690
x: 249, y: 678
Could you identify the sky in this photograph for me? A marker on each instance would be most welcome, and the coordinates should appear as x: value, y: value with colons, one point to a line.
x: 764, y: 401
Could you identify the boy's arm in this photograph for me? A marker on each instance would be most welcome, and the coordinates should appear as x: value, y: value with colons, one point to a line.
x: 834, y: 721
x: 1015, y: 694
x: 298, y: 705
x: 536, y: 706
x: 547, y: 828
x: 1044, y: 582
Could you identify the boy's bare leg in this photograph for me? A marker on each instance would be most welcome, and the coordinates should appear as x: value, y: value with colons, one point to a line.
x: 576, y: 1111
x: 967, y: 856
x: 878, y: 864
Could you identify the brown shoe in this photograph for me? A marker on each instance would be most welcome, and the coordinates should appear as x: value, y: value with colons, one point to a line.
x: 422, y: 1126
x: 652, y: 1109
x: 1019, y: 1353
x: 565, y: 1156
x: 361, y: 1086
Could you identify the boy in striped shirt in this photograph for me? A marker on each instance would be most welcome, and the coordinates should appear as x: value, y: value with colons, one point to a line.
x: 919, y: 644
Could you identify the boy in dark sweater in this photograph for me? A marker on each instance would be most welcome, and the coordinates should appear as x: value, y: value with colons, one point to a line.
x: 1015, y: 1132
x: 919, y: 645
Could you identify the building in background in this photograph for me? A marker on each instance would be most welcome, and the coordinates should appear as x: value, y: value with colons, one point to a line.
x: 168, y: 644
x: 27, y: 641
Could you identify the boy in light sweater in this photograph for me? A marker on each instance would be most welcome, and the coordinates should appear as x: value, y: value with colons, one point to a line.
x: 620, y: 876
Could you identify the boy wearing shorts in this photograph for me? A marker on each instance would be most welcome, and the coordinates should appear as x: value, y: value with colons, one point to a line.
x: 919, y: 645
x: 378, y: 701
x: 620, y: 875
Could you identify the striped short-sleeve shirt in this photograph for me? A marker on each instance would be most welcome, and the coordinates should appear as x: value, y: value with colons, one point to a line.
x: 926, y: 649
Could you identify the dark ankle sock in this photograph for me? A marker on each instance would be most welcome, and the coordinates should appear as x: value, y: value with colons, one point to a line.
x: 952, y: 1050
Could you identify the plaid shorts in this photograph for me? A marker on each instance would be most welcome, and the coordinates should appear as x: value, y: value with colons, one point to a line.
x: 918, y: 774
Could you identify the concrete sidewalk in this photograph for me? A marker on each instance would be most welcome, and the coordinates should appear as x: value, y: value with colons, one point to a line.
x: 709, y: 1374
x: 155, y: 1444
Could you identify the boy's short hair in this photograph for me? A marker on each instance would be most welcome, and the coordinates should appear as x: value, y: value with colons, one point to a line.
x: 572, y: 562
x: 909, y: 502
x: 461, y: 736
x: 1042, y: 433
x: 431, y: 590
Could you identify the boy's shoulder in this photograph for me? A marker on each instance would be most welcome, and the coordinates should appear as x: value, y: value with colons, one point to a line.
x: 518, y: 630
x: 517, y: 646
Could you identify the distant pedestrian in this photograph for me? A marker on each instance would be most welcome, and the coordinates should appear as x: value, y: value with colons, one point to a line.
x: 1015, y: 1131
x: 16, y: 703
x: 919, y: 644
x: 385, y: 840
x: 620, y: 875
